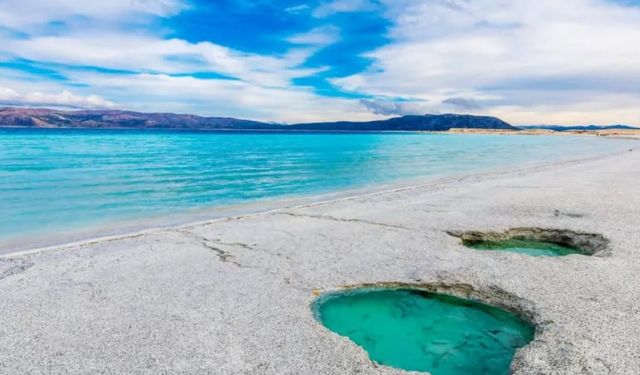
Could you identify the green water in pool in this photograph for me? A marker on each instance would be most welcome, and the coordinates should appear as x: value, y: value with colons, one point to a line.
x: 422, y: 331
x: 532, y: 248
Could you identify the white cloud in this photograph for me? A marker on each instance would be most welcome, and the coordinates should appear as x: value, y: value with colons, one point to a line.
x: 65, y: 98
x: 331, y: 7
x: 298, y: 8
x: 394, y: 108
x: 320, y: 36
x: 161, y: 8
x: 465, y: 104
x: 26, y: 14
x: 528, y: 61
x: 160, y: 92
x: 155, y: 71
x: 504, y: 53
x: 152, y: 54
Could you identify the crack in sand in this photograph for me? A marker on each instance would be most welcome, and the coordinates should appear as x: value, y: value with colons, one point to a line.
x: 15, y: 267
x: 236, y: 244
x: 333, y: 218
x: 223, y: 255
x: 572, y: 215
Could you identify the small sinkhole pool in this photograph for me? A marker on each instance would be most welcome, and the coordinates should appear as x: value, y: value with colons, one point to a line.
x: 535, y: 241
x: 528, y: 247
x: 418, y: 330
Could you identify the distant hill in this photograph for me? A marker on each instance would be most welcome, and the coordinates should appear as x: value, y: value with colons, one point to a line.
x: 48, y: 118
x: 116, y: 119
x: 414, y: 123
x: 560, y: 128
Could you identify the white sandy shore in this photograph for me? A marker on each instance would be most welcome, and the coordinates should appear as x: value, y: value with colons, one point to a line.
x: 232, y: 296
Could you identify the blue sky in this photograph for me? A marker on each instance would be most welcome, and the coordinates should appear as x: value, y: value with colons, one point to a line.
x: 526, y: 61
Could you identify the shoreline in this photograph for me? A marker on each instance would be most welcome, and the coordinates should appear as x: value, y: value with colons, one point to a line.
x: 233, y: 295
x: 609, y: 133
x: 208, y: 215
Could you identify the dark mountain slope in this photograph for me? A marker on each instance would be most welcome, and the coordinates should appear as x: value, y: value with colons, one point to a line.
x: 425, y: 123
x: 101, y: 119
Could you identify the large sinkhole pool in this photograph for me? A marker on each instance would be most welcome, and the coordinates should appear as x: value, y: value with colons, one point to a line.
x: 423, y: 331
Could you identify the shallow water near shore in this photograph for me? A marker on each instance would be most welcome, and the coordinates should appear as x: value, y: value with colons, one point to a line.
x: 422, y: 331
x: 56, y: 181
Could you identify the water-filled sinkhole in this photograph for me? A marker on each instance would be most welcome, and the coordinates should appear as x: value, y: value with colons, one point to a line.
x: 424, y: 331
x: 528, y: 247
x: 535, y: 241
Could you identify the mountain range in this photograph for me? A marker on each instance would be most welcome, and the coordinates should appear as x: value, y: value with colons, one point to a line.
x: 104, y: 119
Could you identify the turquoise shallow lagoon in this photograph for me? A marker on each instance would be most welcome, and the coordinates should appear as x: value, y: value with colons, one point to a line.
x: 66, y: 180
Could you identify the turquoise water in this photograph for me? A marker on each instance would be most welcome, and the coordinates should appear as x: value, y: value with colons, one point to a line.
x: 65, y: 180
x: 421, y: 331
x: 531, y: 248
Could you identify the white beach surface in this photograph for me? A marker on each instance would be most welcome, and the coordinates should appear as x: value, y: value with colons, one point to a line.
x: 232, y: 296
